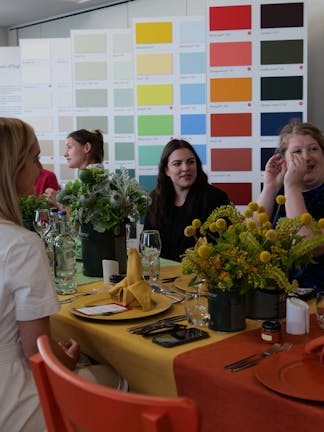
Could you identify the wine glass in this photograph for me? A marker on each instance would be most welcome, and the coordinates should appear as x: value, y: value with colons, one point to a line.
x: 150, y: 249
x: 42, y: 222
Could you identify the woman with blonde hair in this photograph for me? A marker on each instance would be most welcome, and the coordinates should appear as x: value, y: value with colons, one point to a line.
x: 27, y: 294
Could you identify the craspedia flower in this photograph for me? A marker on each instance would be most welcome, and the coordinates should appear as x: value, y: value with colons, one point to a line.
x: 261, y: 209
x: 267, y: 225
x: 280, y: 199
x: 253, y: 206
x: 248, y: 213
x: 251, y: 225
x: 204, y: 251
x: 196, y: 223
x: 262, y: 218
x: 321, y: 223
x: 213, y: 227
x: 265, y: 257
x: 306, y: 218
x: 271, y: 235
x: 221, y: 224
x: 189, y: 231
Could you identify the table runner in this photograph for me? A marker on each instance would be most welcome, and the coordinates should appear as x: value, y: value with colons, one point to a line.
x: 237, y: 401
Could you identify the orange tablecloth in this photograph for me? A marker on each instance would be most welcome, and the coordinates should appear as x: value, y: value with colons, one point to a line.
x: 238, y: 401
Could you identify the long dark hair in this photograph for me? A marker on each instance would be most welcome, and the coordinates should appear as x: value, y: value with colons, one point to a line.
x: 95, y: 138
x: 163, y: 195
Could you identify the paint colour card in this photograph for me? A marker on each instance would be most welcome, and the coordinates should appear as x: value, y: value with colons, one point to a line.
x: 236, y: 17
x: 231, y: 159
x: 231, y: 124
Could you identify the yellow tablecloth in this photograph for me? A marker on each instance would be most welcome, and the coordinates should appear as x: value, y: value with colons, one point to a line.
x: 147, y: 366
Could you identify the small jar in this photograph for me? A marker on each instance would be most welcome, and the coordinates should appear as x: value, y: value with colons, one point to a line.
x: 271, y: 331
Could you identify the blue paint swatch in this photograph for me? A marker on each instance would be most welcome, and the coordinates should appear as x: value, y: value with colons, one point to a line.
x: 201, y: 152
x: 192, y: 63
x: 273, y: 122
x: 193, y: 124
x: 147, y: 182
x: 192, y: 94
x: 193, y: 32
x: 266, y: 154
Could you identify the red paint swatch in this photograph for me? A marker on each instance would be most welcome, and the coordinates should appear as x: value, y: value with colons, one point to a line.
x: 236, y: 124
x: 230, y: 54
x: 234, y: 159
x: 230, y: 18
x: 238, y: 193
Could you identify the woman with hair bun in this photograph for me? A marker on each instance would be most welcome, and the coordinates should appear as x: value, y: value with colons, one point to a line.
x: 83, y: 149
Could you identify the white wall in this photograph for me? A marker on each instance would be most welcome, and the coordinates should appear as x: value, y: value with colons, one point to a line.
x: 120, y: 16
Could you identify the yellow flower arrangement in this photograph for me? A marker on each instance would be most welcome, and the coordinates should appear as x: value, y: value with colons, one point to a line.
x: 233, y: 250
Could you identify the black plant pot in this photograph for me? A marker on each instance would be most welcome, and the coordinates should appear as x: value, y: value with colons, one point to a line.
x: 97, y: 246
x: 266, y: 304
x: 226, y: 310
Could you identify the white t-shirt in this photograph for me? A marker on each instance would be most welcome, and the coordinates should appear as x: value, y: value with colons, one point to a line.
x: 26, y: 293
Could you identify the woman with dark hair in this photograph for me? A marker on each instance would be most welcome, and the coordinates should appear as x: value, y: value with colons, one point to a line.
x: 182, y: 194
x: 83, y: 149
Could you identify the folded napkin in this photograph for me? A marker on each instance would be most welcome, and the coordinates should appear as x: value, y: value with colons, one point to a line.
x: 133, y: 290
x: 297, y: 316
x: 315, y: 348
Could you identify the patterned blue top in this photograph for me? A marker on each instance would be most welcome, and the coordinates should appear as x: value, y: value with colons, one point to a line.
x: 312, y: 275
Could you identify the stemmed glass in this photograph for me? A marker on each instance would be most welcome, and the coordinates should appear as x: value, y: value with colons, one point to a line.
x: 150, y: 249
x: 42, y: 222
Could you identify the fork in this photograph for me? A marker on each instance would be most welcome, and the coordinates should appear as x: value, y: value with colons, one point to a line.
x: 255, y: 358
x: 76, y: 296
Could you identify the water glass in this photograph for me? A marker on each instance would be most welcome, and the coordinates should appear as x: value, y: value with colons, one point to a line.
x: 150, y: 269
x: 320, y: 308
x: 42, y: 222
x: 196, y: 308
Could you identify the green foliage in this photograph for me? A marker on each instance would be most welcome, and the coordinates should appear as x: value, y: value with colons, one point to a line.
x: 29, y: 203
x: 106, y: 200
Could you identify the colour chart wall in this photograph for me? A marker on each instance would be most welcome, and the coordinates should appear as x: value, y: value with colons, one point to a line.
x: 227, y: 82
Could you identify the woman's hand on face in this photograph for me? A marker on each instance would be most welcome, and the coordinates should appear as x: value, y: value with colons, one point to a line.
x: 275, y: 171
x: 296, y: 170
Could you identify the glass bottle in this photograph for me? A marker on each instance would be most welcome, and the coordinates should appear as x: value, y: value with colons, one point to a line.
x: 50, y: 237
x: 64, y: 258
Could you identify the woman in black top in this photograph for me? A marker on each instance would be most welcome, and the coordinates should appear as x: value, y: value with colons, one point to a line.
x: 182, y: 194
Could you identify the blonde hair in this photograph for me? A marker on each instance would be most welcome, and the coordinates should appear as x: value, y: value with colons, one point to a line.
x: 295, y: 127
x: 17, y: 139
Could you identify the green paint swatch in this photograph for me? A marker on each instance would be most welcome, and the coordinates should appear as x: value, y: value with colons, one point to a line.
x: 155, y: 125
x: 124, y: 151
x: 149, y: 155
x: 124, y: 124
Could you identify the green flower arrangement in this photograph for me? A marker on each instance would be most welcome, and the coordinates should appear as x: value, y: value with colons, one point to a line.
x: 235, y: 251
x: 105, y: 200
x: 29, y: 203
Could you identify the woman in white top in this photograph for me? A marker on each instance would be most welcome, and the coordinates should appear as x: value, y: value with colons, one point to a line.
x: 27, y: 295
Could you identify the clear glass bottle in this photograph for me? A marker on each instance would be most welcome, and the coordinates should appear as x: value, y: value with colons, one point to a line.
x: 64, y: 258
x: 50, y: 237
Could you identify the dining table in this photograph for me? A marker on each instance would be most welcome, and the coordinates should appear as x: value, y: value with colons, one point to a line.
x: 228, y: 401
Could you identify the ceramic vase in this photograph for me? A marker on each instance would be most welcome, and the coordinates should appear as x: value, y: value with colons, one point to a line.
x: 97, y: 246
x: 226, y: 309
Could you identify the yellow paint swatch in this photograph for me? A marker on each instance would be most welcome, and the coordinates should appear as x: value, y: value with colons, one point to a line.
x: 230, y: 89
x: 156, y: 94
x: 153, y: 32
x: 154, y: 64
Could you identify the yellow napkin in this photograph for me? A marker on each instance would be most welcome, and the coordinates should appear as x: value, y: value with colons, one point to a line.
x: 133, y: 290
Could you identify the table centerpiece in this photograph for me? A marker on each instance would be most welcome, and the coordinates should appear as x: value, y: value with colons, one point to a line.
x: 238, y: 253
x: 100, y: 203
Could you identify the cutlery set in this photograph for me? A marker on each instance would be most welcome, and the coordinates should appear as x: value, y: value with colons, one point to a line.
x: 254, y: 359
x: 71, y: 299
x: 144, y: 328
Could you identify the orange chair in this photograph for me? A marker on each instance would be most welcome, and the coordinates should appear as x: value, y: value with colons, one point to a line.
x: 70, y: 402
